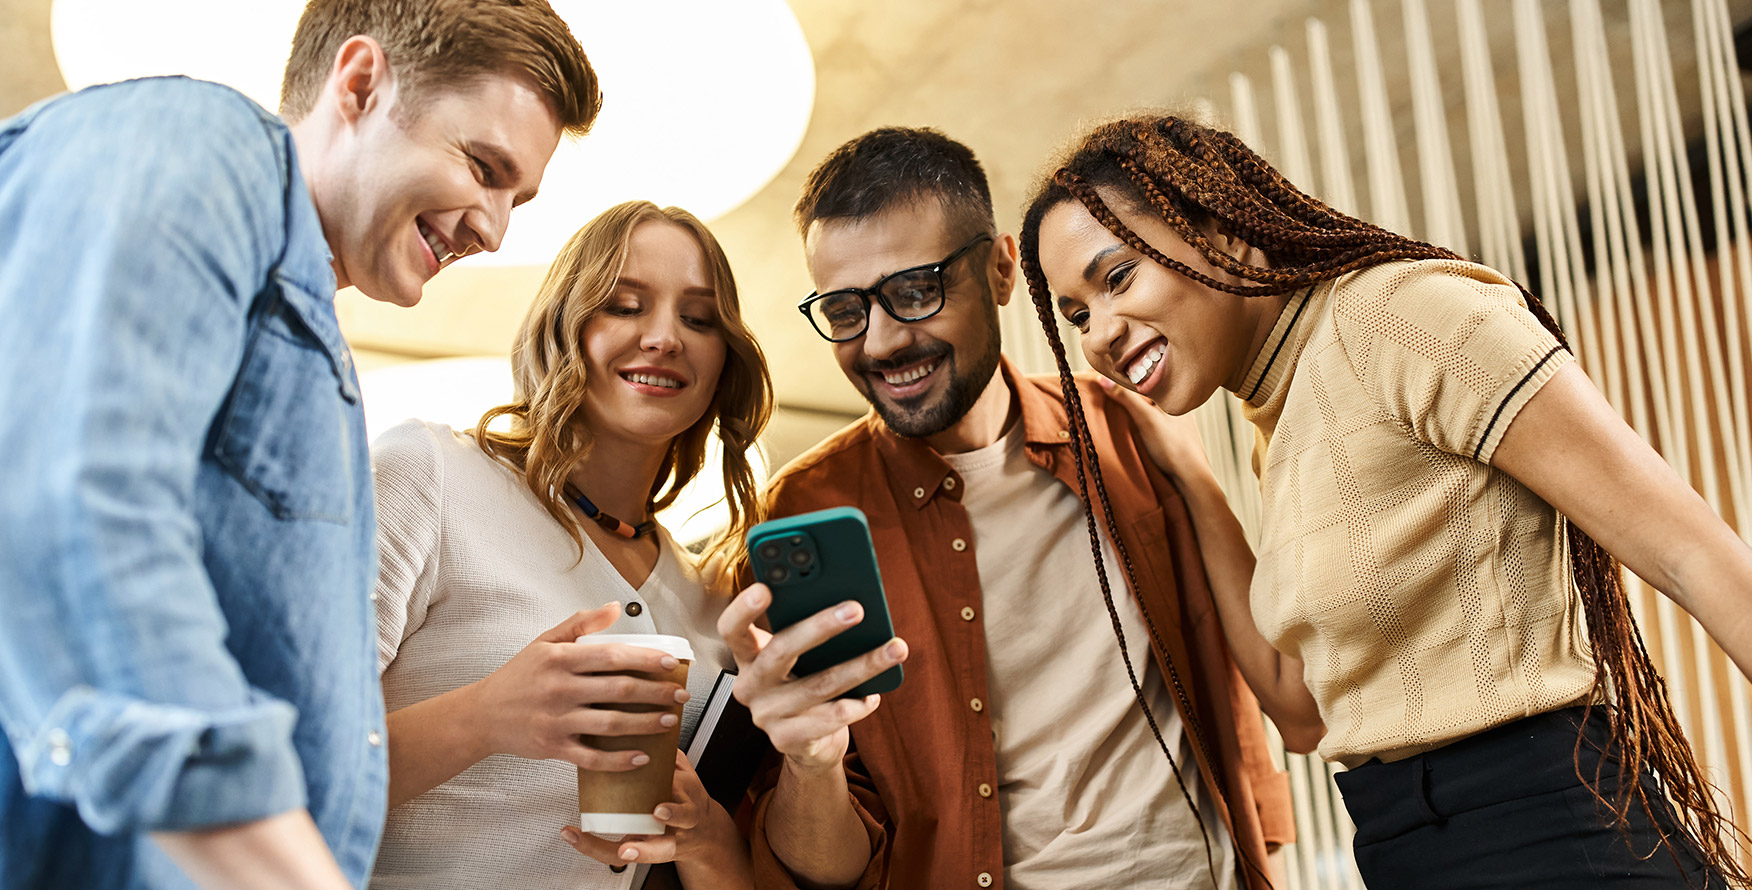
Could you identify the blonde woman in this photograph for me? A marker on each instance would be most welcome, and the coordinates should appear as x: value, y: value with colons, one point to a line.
x: 499, y: 548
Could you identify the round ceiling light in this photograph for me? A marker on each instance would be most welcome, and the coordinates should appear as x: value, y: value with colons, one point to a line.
x: 704, y: 101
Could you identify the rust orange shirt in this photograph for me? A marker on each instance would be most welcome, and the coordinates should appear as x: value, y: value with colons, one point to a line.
x: 922, y: 766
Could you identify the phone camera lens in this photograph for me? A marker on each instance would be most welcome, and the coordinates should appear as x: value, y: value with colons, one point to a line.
x: 769, y: 551
x: 777, y: 574
x: 800, y: 557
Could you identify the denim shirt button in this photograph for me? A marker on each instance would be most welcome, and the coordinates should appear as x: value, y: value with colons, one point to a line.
x: 374, y: 739
x: 60, y: 747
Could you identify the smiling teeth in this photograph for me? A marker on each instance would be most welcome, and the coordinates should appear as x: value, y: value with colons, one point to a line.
x: 1146, y: 363
x: 439, y: 249
x: 906, y: 377
x: 653, y: 380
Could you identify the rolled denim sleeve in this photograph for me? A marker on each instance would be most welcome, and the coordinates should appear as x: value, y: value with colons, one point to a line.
x: 137, y: 223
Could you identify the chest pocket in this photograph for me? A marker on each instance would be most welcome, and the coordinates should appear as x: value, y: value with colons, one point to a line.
x: 286, y: 431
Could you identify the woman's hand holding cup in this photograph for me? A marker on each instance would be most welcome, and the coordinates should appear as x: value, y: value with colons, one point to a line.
x: 541, y: 701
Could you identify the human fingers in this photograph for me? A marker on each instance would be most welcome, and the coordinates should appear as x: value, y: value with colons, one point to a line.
x: 587, y: 621
x: 805, y: 734
x: 831, y: 683
x: 593, y: 658
x: 782, y: 651
x: 654, y: 848
x: 736, y: 624
x: 678, y: 815
x: 611, y: 722
x: 603, y: 851
x: 1172, y: 441
x: 687, y: 794
x: 621, y: 689
x: 1133, y: 400
x: 599, y: 760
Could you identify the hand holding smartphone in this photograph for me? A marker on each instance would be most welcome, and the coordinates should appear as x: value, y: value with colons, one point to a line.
x: 812, y: 562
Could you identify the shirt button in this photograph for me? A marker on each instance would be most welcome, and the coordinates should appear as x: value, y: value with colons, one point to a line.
x: 985, y: 790
x: 985, y: 879
x: 966, y: 613
x: 635, y: 608
x: 374, y: 739
x: 1064, y: 434
x: 976, y: 705
x: 919, y: 492
x: 949, y: 482
x: 373, y: 596
x: 958, y: 544
x: 60, y: 747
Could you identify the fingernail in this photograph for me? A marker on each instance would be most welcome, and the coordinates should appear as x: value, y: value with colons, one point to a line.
x: 757, y: 597
x: 1105, y: 382
x: 617, y: 869
x: 682, y: 695
x: 630, y: 853
x: 846, y: 612
x: 893, y: 650
x: 570, y: 834
x: 669, y: 662
x: 662, y: 814
x: 668, y: 720
x: 641, y: 759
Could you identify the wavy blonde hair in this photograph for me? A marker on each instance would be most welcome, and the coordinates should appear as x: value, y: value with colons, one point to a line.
x: 548, y: 434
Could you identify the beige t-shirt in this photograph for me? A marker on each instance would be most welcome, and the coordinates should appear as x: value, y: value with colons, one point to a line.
x: 1087, y: 798
x: 1427, y: 594
x: 472, y: 569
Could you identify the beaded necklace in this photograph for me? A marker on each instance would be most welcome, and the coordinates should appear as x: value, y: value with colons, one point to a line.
x: 617, y: 526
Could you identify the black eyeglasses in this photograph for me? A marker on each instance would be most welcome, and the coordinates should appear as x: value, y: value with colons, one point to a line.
x: 908, y: 295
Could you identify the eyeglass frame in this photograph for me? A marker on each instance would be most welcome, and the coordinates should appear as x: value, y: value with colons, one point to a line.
x: 874, y: 294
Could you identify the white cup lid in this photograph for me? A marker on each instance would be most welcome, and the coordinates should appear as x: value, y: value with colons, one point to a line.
x: 668, y: 645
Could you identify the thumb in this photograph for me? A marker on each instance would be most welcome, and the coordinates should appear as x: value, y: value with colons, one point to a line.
x: 582, y: 623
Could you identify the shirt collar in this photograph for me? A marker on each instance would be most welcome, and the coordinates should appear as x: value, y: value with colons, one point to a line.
x: 918, y: 473
x: 1277, y: 358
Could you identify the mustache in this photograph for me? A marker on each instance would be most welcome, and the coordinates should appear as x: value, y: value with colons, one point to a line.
x: 901, y: 359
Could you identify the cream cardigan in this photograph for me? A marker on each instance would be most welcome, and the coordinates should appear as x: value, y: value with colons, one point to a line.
x: 471, y: 569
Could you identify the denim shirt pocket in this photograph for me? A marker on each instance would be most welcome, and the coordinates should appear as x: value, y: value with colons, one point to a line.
x: 286, y: 429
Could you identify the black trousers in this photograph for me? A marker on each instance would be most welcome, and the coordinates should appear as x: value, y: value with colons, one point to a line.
x: 1504, y: 809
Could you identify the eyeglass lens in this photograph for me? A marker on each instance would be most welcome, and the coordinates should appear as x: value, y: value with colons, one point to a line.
x: 908, y: 296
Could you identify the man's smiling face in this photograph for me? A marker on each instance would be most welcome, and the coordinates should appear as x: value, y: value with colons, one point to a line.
x: 920, y: 376
x: 426, y: 185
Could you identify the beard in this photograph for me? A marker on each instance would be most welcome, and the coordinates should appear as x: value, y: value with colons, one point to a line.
x: 928, y: 416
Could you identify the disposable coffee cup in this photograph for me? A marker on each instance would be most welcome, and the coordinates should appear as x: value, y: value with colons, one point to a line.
x: 622, y: 802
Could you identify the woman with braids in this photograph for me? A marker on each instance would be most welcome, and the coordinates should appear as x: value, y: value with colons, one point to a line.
x: 632, y: 356
x: 1446, y: 498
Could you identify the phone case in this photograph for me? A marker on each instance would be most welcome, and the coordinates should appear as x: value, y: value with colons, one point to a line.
x: 813, y: 561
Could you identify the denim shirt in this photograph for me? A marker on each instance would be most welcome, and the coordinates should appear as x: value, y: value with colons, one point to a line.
x: 186, y: 525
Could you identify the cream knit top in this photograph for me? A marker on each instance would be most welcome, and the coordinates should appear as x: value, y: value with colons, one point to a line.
x: 1427, y: 594
x: 472, y: 569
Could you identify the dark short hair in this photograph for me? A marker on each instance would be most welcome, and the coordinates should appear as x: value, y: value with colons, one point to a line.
x: 893, y: 166
x: 446, y: 43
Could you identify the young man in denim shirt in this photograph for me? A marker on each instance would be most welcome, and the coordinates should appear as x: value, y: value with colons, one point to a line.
x: 187, y: 672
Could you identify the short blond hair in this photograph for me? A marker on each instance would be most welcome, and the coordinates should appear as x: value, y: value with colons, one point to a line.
x: 446, y: 43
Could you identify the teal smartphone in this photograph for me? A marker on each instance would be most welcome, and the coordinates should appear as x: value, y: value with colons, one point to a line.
x: 814, y: 561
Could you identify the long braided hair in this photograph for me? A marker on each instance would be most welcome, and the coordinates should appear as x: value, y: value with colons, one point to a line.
x: 1188, y: 175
